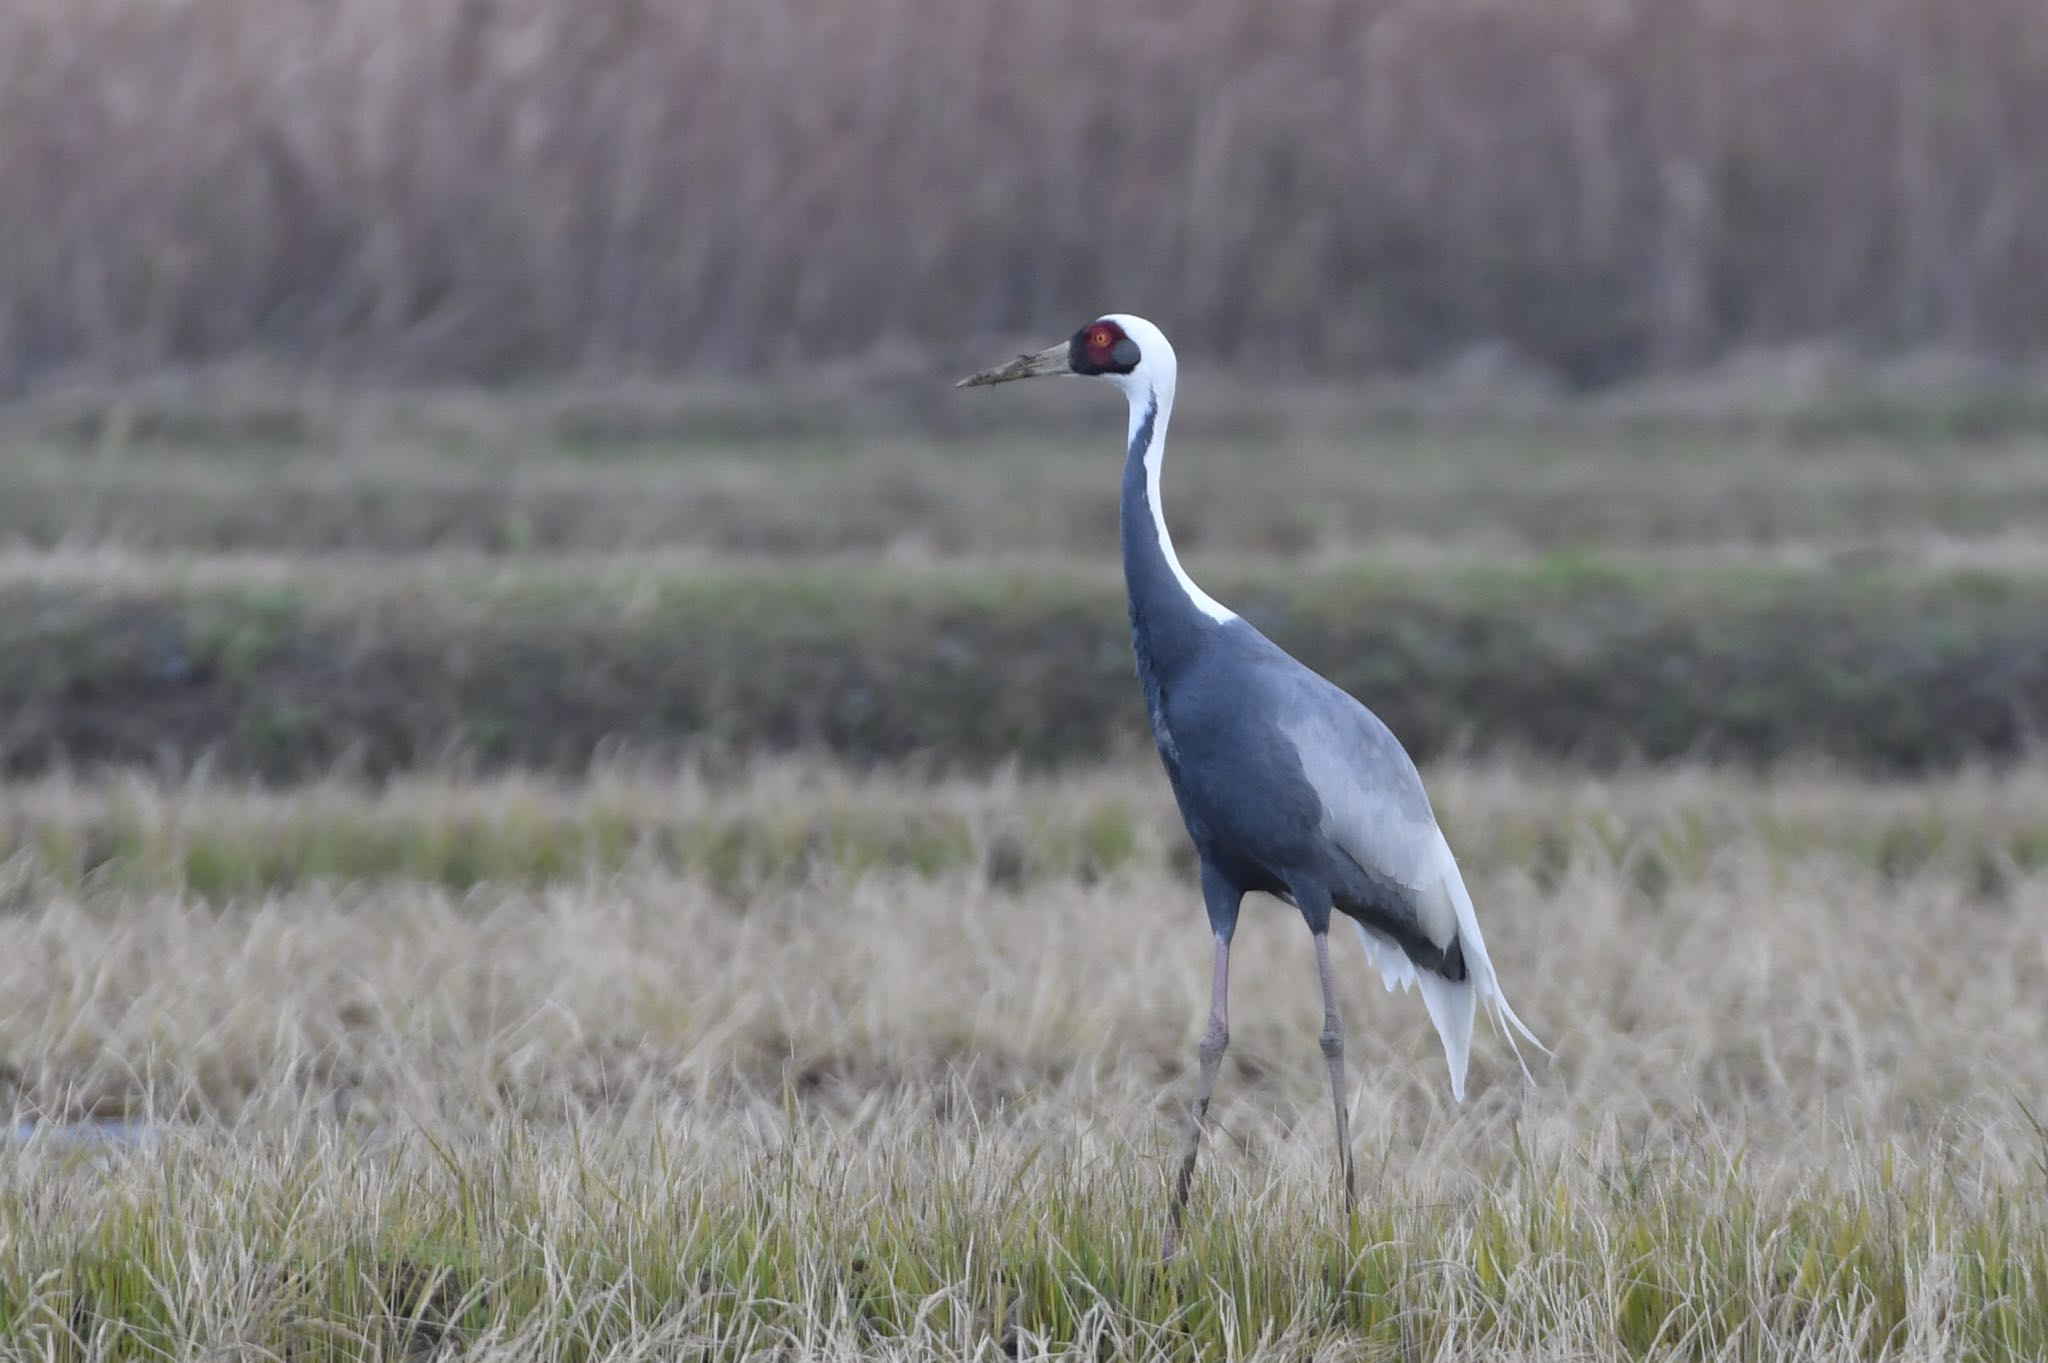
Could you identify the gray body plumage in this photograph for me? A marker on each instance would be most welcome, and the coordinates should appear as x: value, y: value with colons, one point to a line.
x: 1289, y: 785
x: 1286, y: 783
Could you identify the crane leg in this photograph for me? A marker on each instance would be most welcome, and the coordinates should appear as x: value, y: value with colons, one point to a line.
x: 1215, y: 1040
x: 1333, y: 1051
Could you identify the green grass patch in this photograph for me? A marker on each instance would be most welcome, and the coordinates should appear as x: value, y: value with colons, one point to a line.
x: 1597, y: 661
x: 955, y: 1241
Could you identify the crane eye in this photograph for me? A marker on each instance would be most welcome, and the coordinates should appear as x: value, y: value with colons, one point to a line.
x: 1099, y: 338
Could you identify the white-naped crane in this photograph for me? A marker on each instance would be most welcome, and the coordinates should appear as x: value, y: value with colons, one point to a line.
x: 1286, y: 783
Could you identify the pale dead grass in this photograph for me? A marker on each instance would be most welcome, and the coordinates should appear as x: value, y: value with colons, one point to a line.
x: 1794, y: 952
x: 1793, y: 1000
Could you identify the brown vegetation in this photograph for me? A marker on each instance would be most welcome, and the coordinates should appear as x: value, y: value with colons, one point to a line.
x: 483, y: 188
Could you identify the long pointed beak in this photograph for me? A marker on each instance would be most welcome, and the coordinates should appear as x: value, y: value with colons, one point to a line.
x: 1051, y: 360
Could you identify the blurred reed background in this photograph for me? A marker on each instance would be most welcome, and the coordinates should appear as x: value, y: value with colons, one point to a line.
x: 492, y: 189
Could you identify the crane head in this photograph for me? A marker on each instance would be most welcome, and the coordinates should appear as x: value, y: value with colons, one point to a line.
x: 1128, y: 351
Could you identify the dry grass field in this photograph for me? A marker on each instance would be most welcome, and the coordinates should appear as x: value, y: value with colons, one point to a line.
x: 800, y: 1064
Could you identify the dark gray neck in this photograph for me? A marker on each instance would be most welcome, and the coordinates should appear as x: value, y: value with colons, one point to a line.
x: 1168, y: 622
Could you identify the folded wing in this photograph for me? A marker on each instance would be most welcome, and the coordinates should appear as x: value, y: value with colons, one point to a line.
x: 1404, y: 894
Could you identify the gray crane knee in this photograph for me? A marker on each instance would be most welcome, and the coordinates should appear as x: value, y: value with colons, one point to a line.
x: 1332, y: 1041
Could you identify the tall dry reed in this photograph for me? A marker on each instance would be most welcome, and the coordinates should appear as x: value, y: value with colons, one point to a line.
x: 487, y: 188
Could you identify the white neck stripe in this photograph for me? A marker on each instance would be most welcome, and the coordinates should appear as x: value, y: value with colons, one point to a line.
x: 1161, y: 406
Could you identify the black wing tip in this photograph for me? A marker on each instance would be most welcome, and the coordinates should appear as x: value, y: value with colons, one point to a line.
x: 1423, y: 954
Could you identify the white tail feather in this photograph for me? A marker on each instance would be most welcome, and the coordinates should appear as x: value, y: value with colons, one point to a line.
x: 1452, y: 1005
